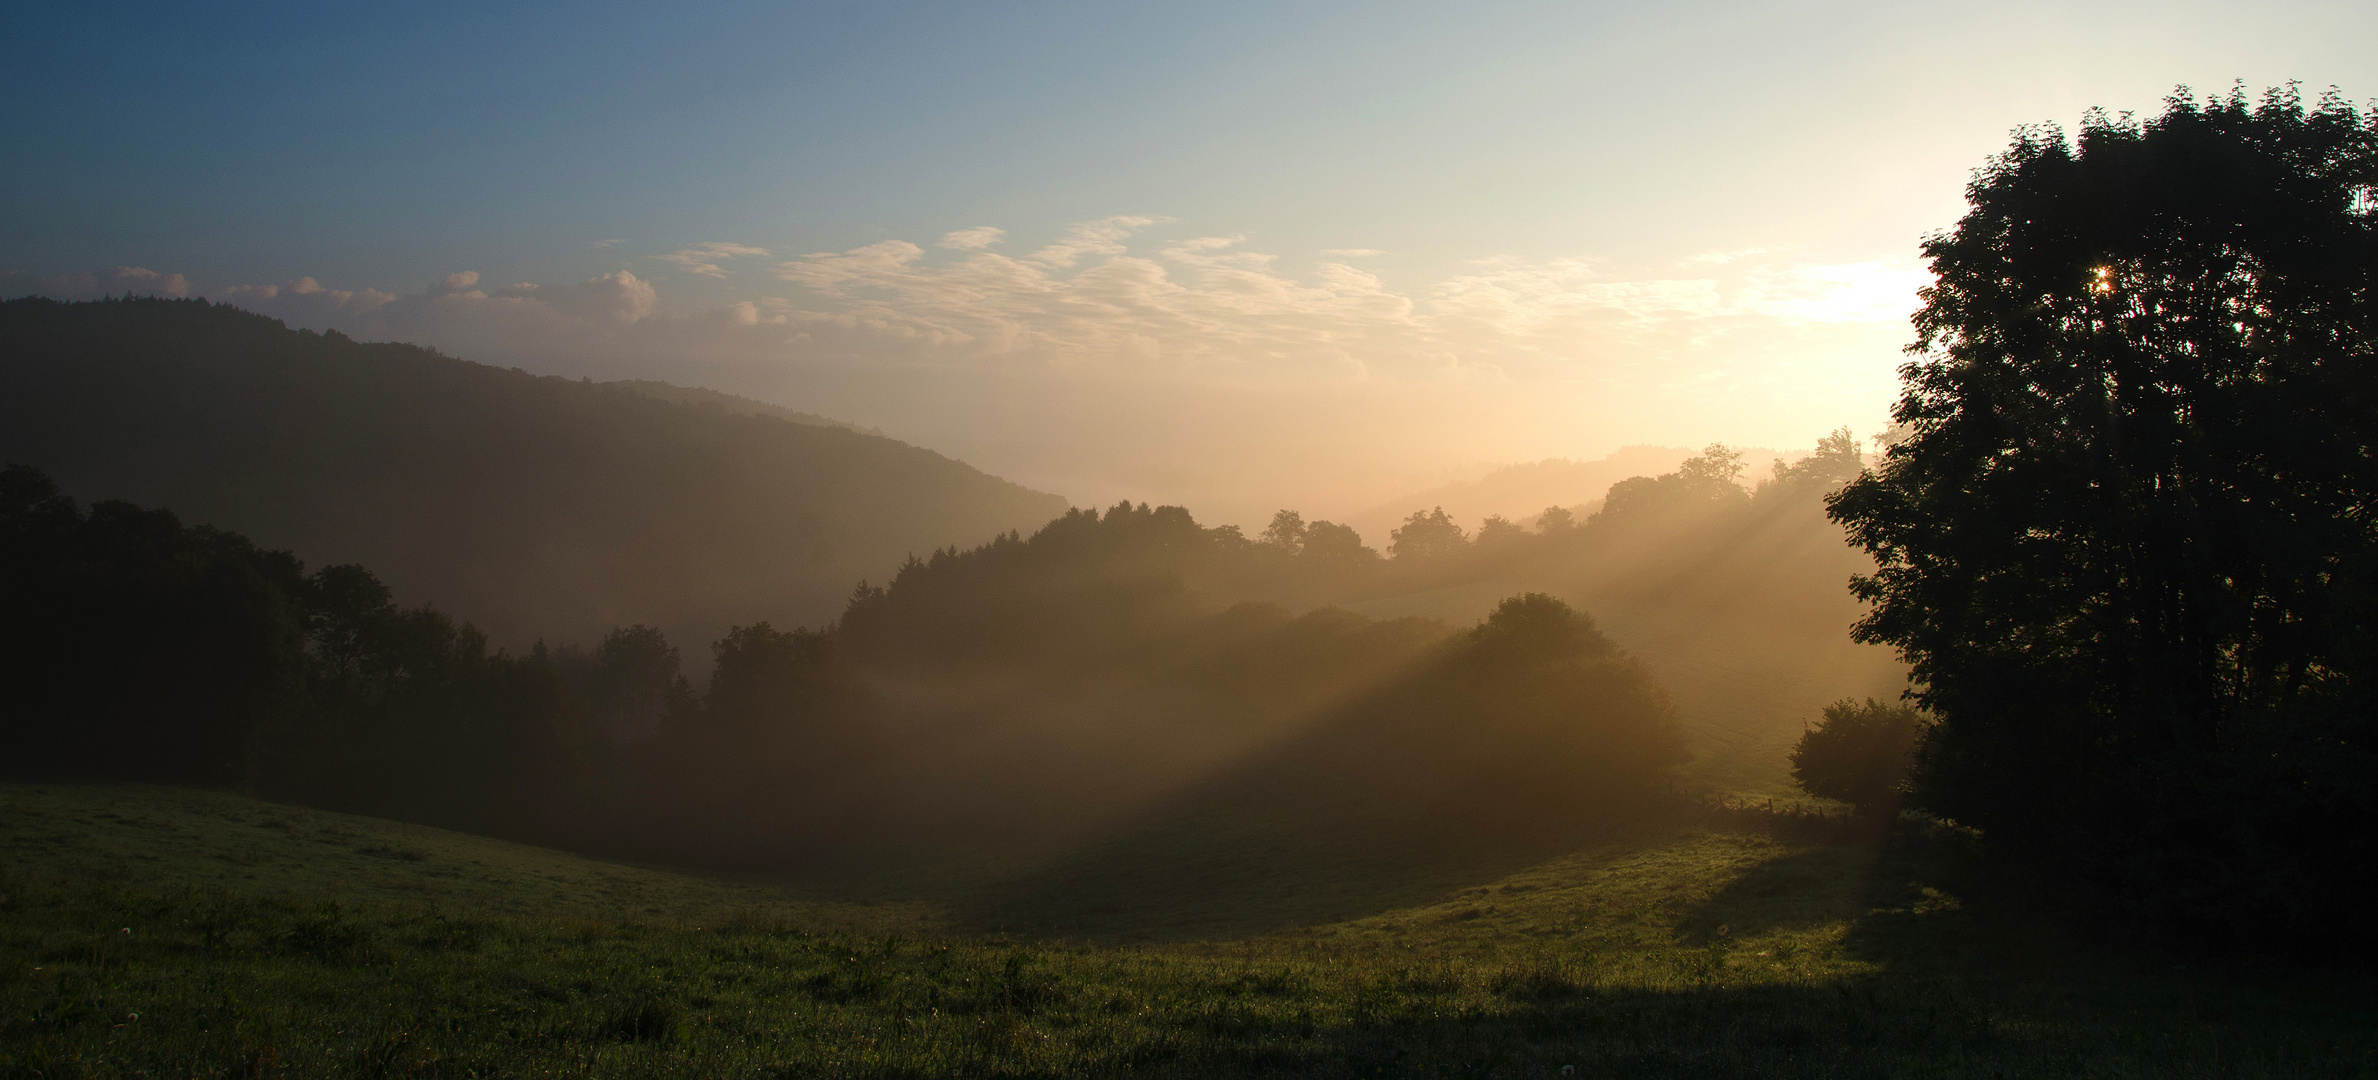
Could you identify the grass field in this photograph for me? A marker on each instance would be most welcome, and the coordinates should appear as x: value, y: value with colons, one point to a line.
x: 163, y: 932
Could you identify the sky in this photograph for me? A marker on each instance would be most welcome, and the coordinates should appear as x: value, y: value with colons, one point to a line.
x: 1237, y: 256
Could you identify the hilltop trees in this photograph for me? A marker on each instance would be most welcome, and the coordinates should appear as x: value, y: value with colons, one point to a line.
x: 1286, y: 532
x: 1329, y: 540
x: 1709, y: 480
x: 1428, y: 535
x: 2127, y: 543
x: 1837, y: 461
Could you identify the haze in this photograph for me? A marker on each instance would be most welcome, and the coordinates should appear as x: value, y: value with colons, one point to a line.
x: 1224, y: 255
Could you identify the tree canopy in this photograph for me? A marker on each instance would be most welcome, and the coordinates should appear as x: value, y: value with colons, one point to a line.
x: 2128, y: 543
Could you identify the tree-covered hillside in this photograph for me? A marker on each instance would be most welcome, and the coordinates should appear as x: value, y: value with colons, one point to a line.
x: 531, y: 506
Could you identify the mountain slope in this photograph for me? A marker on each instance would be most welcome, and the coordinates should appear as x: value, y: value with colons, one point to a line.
x: 734, y: 403
x: 536, y: 507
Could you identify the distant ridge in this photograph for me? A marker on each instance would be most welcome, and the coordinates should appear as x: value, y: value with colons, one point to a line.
x: 536, y: 507
x: 1523, y: 491
x: 735, y: 403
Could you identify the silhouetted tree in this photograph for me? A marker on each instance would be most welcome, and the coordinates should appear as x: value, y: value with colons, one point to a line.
x: 1858, y: 754
x: 633, y: 682
x: 1837, y: 461
x: 2127, y: 545
x: 1330, y: 540
x: 1287, y: 531
x: 1706, y: 481
x: 1555, y: 521
x: 767, y: 680
x: 1498, y: 532
x: 1427, y: 535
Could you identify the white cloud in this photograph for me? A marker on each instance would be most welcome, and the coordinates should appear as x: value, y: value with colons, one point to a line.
x: 1102, y: 237
x: 1209, y: 304
x: 1352, y: 253
x: 306, y: 302
x: 975, y: 239
x: 706, y: 259
x: 616, y: 299
x: 130, y: 279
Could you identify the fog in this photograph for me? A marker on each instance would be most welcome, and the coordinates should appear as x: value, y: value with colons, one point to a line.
x: 736, y: 637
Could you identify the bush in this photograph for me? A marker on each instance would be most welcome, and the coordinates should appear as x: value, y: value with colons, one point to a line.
x: 1858, y: 754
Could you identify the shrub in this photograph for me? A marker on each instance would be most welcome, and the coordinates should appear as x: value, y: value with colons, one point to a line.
x: 1858, y: 754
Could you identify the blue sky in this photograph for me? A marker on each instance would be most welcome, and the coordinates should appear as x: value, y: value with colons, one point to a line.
x: 1519, y: 229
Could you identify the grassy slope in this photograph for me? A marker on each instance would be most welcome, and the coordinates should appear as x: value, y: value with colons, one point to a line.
x: 148, y: 931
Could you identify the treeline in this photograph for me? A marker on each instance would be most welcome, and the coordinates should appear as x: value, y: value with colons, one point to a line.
x: 145, y: 648
x: 1086, y: 579
x: 138, y: 647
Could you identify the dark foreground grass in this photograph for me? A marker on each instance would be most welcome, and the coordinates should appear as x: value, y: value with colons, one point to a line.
x: 187, y: 936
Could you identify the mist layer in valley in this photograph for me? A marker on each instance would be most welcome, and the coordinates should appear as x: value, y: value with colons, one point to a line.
x: 733, y: 638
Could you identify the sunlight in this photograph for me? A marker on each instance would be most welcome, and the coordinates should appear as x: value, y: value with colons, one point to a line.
x: 1873, y: 291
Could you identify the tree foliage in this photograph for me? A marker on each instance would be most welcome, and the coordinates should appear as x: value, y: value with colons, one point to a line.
x: 133, y: 645
x: 2128, y: 541
x: 1858, y: 754
x: 1428, y: 535
x: 1708, y: 481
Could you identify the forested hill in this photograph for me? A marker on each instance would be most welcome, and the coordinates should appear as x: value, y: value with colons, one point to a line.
x: 734, y: 403
x: 533, y: 506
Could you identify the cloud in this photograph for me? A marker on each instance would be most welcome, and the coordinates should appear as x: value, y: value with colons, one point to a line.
x: 1102, y: 237
x: 1209, y: 304
x: 616, y: 299
x: 306, y: 302
x: 975, y: 239
x: 705, y: 259
x: 1107, y: 364
x: 1352, y: 253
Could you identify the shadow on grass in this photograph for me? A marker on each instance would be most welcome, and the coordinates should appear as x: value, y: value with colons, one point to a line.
x: 1877, y: 1027
x: 1252, y: 862
x: 1791, y: 892
x: 1960, y: 984
x: 1216, y: 873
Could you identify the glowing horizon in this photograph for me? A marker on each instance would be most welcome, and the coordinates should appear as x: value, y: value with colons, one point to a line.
x: 1236, y: 258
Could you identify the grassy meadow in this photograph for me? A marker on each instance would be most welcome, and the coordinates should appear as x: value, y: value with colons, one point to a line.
x: 150, y: 931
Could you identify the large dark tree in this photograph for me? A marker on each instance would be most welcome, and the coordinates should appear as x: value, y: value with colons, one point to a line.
x: 2130, y: 547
